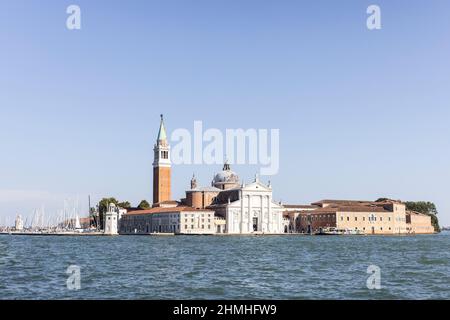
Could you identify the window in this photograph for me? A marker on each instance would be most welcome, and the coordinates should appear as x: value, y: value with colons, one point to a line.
x: 348, y: 218
x: 356, y: 218
x: 185, y: 226
x: 209, y: 226
x: 342, y: 218
x: 381, y: 218
x: 203, y: 226
x: 364, y: 218
x: 192, y: 226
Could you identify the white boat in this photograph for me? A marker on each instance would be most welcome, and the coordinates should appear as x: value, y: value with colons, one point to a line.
x: 335, y: 232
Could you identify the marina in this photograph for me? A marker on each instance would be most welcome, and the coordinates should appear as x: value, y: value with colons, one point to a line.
x: 67, y: 233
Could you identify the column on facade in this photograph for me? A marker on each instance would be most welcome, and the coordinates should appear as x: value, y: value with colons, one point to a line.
x: 269, y: 207
x: 230, y: 215
x: 250, y: 215
x: 280, y: 223
x: 241, y: 222
x: 261, y: 220
x: 229, y: 220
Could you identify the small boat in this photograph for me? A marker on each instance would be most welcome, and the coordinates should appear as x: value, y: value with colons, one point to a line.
x: 329, y: 232
x: 336, y: 232
x: 354, y: 232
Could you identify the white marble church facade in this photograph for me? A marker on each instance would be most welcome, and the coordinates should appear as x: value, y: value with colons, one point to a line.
x: 246, y: 208
x: 254, y: 212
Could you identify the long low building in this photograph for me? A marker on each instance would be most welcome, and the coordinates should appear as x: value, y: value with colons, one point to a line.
x: 368, y: 217
x: 175, y: 220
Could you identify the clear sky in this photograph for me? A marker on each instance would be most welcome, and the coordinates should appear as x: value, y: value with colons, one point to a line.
x: 362, y: 114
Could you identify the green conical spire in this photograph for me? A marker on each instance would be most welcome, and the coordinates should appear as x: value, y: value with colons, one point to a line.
x: 162, y: 136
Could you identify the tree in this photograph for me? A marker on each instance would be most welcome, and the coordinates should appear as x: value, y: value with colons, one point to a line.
x: 104, y: 203
x: 124, y: 204
x: 144, y: 205
x: 425, y: 207
x: 422, y: 207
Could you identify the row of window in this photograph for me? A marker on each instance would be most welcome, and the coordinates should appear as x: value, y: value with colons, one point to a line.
x: 170, y: 228
x: 192, y: 220
x: 356, y: 228
x: 186, y: 226
x: 317, y: 217
x: 371, y: 218
x: 193, y: 215
x: 329, y: 217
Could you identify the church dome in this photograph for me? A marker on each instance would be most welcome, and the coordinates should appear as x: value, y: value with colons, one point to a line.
x: 226, y: 179
x: 226, y: 176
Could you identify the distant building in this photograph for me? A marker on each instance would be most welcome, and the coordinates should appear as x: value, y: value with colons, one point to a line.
x: 174, y: 220
x: 161, y: 167
x: 292, y: 213
x: 247, y: 209
x: 111, y: 220
x: 240, y: 208
x: 418, y: 222
x: 200, y: 197
x: 227, y: 206
x: 385, y: 217
x: 18, y: 226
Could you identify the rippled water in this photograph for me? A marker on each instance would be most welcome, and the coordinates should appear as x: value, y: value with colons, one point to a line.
x: 208, y: 267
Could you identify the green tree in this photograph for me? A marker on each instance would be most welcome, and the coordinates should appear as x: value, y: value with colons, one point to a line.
x: 425, y: 207
x: 144, y: 205
x: 104, y: 203
x: 422, y: 207
x: 124, y: 204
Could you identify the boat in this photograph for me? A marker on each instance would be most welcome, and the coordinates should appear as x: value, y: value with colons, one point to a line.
x: 336, y: 232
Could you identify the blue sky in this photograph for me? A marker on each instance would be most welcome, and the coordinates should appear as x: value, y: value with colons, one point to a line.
x: 362, y: 114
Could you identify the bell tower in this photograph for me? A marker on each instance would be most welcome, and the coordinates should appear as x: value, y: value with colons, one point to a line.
x: 161, y: 167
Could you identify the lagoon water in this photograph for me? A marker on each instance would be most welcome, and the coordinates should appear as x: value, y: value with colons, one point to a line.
x: 213, y: 267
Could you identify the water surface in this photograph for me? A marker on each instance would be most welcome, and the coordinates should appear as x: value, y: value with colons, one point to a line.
x: 213, y: 267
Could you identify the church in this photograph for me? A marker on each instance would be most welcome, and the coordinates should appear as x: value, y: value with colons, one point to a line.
x: 246, y: 208
x: 227, y: 206
x: 230, y: 206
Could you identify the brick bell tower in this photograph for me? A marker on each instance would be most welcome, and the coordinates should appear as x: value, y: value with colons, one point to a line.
x: 161, y: 167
